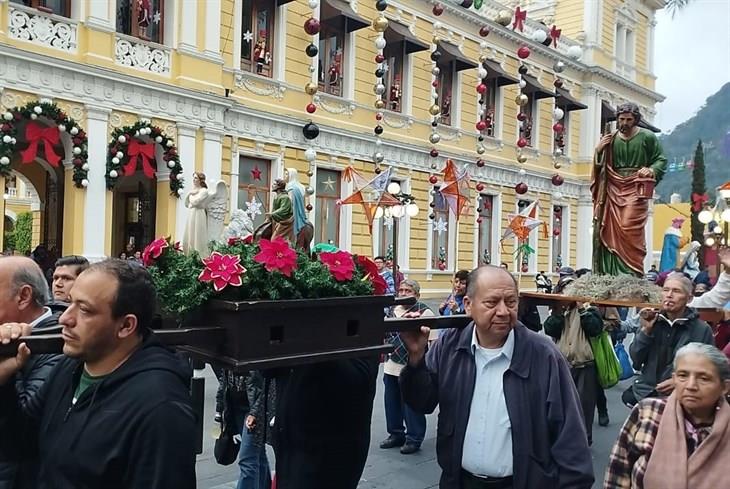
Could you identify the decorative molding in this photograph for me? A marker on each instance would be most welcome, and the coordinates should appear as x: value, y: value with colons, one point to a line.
x: 145, y: 56
x: 335, y: 105
x: 259, y: 85
x: 493, y: 143
x: 397, y: 120
x: 31, y: 25
x: 450, y: 133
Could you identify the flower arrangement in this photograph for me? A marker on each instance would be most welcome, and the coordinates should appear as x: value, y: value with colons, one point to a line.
x: 241, y: 270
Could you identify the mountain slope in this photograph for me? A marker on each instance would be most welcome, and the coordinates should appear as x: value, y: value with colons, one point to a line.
x: 711, y: 124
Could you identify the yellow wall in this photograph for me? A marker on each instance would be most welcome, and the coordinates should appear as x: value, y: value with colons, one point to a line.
x: 663, y: 215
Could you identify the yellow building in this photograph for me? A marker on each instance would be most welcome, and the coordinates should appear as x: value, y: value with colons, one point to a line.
x: 223, y: 81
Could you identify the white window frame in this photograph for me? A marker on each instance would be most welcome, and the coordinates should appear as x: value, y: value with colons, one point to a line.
x: 279, y: 62
x: 346, y: 188
x: 532, y: 240
x: 450, y: 250
x: 564, y: 232
x: 496, y: 229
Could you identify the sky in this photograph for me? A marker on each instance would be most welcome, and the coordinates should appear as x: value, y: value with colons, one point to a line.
x: 691, y: 58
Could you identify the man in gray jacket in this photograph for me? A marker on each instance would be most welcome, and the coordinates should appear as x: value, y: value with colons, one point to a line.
x: 509, y: 417
x: 661, y: 334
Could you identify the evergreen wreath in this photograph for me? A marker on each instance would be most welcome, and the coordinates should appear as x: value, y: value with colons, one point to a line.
x: 47, y: 137
x: 133, y: 146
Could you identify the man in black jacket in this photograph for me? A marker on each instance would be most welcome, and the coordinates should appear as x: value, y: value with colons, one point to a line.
x: 116, y: 412
x: 23, y: 295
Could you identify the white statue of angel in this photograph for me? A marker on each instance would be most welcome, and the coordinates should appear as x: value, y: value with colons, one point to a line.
x: 207, y: 212
x: 240, y: 226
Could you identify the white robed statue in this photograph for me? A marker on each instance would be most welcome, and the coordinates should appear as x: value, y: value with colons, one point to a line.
x: 207, y: 212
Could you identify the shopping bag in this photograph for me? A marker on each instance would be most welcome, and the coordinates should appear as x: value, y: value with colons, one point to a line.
x: 607, y: 364
x: 627, y: 370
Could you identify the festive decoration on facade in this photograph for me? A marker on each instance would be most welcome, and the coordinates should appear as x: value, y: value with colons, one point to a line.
x: 370, y: 193
x: 441, y: 261
x: 519, y: 227
x: 312, y: 26
x: 380, y: 25
x: 455, y: 189
x: 134, y: 147
x: 519, y: 19
x: 44, y: 123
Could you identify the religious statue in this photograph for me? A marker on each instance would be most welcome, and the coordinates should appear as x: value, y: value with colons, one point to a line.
x: 144, y: 17
x: 691, y: 263
x: 626, y: 166
x: 207, y: 211
x: 260, y: 55
x: 303, y: 229
x: 673, y: 242
x: 395, y: 94
x: 280, y: 221
x: 240, y: 225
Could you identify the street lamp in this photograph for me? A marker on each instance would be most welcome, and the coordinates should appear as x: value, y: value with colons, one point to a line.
x: 406, y: 206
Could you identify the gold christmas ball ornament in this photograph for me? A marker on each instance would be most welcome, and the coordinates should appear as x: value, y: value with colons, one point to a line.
x: 310, y: 88
x: 436, y: 39
x: 557, y: 165
x: 483, y: 58
x: 481, y: 150
x: 434, y: 110
x: 380, y: 104
x: 521, y: 159
x: 522, y: 99
x: 504, y: 17
x: 380, y: 24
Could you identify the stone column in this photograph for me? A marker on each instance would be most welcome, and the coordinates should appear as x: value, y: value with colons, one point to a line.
x: 101, y: 15
x: 212, y: 154
x: 584, y: 226
x: 186, y: 143
x: 188, y: 26
x: 212, y: 28
x: 97, y: 120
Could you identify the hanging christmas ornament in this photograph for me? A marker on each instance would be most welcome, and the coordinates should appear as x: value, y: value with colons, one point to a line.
x: 575, y: 52
x: 381, y: 5
x: 438, y: 9
x: 480, y: 187
x: 558, y: 83
x: 558, y: 114
x: 558, y: 127
x: 504, y: 17
x: 310, y: 130
x: 557, y: 180
x: 522, y: 142
x: 311, y: 108
x: 521, y: 188
x: 538, y: 35
x: 311, y: 26
x: 467, y: 3
x: 484, y: 31
x: 523, y: 52
x: 311, y: 50
x: 520, y: 18
x: 521, y: 158
x: 481, y: 163
x: 433, y: 179
x: 555, y: 35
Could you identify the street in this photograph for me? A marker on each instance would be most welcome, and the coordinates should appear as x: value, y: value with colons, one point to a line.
x: 388, y: 469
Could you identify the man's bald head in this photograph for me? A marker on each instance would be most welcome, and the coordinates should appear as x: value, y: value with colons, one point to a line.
x: 486, y: 273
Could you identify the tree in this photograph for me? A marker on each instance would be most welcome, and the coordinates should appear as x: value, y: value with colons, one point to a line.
x: 23, y: 233
x: 698, y: 189
x: 674, y: 6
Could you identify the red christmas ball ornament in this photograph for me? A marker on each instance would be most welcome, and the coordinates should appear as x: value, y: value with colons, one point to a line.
x: 480, y: 186
x: 311, y: 26
x: 311, y: 108
x: 521, y: 188
x: 521, y: 117
x: 558, y: 83
x: 442, y: 266
x: 558, y: 127
x: 523, y: 52
x: 481, y: 125
x: 309, y: 207
x: 557, y: 180
x: 479, y: 220
x: 435, y: 84
x: 338, y: 202
x: 379, y: 116
x: 77, y: 161
x: 438, y: 9
x: 5, y: 127
x: 379, y: 58
x: 481, y: 88
x: 484, y: 31
x: 481, y: 163
x: 525, y: 268
x: 556, y: 232
x: 433, y: 179
x: 522, y: 142
x: 434, y: 152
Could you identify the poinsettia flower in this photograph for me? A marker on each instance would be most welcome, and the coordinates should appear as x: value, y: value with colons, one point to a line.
x: 372, y: 274
x: 248, y: 239
x: 340, y: 264
x: 222, y: 270
x: 153, y: 251
x: 233, y: 240
x: 277, y: 255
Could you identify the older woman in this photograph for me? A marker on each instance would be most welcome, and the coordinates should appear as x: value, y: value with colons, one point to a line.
x: 682, y: 441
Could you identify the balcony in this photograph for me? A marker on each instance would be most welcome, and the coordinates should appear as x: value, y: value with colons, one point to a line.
x: 142, y: 55
x: 43, y: 29
x: 12, y: 193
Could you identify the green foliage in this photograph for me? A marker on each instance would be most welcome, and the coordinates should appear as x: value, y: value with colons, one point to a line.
x: 698, y: 187
x: 9, y: 240
x: 176, y: 280
x: 23, y: 233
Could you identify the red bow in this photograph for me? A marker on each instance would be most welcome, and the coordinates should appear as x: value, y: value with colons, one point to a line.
x: 146, y: 152
x: 698, y: 200
x: 34, y: 134
x: 520, y: 17
x: 555, y: 34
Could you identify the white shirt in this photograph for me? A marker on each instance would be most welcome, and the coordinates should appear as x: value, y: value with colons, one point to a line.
x: 717, y: 297
x: 46, y: 313
x: 488, y: 440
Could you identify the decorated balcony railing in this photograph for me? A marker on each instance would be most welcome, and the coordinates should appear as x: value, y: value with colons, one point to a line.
x: 31, y: 25
x: 142, y: 55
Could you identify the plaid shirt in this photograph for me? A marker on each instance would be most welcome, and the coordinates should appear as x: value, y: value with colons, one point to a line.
x: 630, y: 455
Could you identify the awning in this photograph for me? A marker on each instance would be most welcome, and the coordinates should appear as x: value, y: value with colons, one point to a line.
x: 397, y: 32
x: 496, y: 71
x: 535, y: 89
x: 451, y: 53
x: 567, y: 102
x: 608, y: 113
x: 338, y: 13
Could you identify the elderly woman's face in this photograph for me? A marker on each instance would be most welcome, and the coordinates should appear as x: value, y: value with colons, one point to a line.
x: 697, y: 383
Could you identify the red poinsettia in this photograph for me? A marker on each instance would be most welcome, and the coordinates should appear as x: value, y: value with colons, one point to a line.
x: 222, y: 270
x: 340, y: 264
x: 153, y: 251
x: 372, y: 274
x: 236, y: 240
x: 277, y: 255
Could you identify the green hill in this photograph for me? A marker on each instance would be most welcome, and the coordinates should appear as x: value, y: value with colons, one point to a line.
x: 711, y: 124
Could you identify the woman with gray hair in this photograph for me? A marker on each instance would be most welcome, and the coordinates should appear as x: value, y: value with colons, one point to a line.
x: 682, y: 441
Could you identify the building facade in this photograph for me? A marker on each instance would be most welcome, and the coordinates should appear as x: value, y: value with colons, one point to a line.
x: 218, y: 86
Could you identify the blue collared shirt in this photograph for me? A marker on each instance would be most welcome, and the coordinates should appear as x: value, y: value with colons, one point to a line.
x: 488, y: 440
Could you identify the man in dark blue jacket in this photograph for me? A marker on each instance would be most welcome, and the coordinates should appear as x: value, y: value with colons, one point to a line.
x: 509, y: 412
x: 116, y: 412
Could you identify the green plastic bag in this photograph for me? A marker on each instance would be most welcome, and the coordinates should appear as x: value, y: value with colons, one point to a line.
x: 607, y: 365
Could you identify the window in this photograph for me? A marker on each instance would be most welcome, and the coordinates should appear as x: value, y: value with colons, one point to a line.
x: 528, y: 263
x: 331, y: 59
x: 257, y: 36
x: 395, y: 56
x: 327, y: 226
x: 526, y: 126
x: 558, y: 238
x: 254, y: 186
x: 490, y: 107
x: 446, y: 92
x: 388, y: 232
x: 57, y: 7
x: 560, y: 140
x: 440, y: 233
x: 141, y: 18
x: 485, y: 222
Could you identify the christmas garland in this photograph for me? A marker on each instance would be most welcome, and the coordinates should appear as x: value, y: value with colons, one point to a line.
x: 133, y: 146
x: 48, y: 137
x: 240, y: 270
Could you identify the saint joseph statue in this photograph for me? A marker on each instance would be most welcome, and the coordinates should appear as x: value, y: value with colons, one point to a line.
x: 626, y: 166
